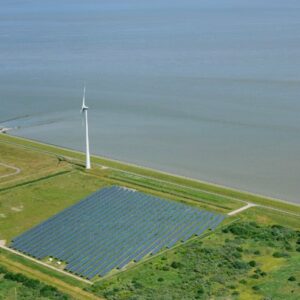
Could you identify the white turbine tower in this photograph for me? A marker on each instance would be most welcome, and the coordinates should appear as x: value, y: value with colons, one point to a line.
x: 84, y: 110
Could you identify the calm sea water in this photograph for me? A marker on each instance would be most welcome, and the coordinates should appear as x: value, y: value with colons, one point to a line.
x: 207, y: 89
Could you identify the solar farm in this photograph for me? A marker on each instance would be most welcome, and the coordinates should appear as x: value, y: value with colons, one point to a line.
x: 111, y: 228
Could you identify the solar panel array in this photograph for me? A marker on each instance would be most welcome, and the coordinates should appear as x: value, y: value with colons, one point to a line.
x: 111, y: 228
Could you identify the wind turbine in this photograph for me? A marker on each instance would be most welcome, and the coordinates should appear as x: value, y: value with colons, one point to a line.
x: 84, y: 110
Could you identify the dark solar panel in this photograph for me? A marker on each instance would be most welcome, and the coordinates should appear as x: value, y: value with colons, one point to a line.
x: 111, y: 228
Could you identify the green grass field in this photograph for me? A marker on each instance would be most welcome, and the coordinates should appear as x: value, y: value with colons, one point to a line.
x: 52, y: 179
x: 27, y: 205
x: 4, y: 171
x: 31, y: 163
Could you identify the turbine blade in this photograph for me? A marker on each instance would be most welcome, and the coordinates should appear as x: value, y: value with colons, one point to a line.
x: 83, y: 97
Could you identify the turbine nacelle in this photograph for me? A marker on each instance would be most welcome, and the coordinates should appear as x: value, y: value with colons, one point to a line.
x: 83, y: 107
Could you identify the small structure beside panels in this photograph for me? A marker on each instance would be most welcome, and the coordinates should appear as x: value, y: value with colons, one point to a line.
x: 111, y: 228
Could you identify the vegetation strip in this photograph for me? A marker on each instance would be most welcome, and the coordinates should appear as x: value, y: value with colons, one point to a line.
x: 35, y: 180
x: 45, y: 265
x: 73, y: 290
x: 183, y: 192
x: 33, y: 286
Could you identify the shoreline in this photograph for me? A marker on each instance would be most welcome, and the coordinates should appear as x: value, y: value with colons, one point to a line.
x: 155, y: 171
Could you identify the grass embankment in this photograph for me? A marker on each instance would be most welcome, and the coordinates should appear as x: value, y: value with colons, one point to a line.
x: 158, y: 176
x: 184, y: 192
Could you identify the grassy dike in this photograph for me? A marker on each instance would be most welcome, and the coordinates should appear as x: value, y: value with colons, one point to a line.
x: 158, y: 180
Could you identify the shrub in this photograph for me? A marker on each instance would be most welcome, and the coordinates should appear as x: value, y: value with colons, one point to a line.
x: 165, y: 268
x: 176, y: 265
x: 256, y: 252
x: 298, y: 249
x: 8, y: 276
x: 243, y: 229
x: 237, y: 254
x: 267, y: 234
x: 239, y: 264
x: 3, y: 270
x: 160, y: 279
x: 288, y: 246
x: 254, y: 224
x: 277, y: 226
x: 47, y: 291
x: 136, y: 284
x: 292, y: 278
x: 200, y: 290
x: 109, y: 294
x: 255, y: 288
x: 252, y: 263
x: 32, y: 283
x: 14, y: 277
x: 280, y: 254
x: 243, y: 281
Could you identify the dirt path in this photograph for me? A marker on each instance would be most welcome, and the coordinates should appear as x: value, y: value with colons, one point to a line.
x: 16, y: 170
x: 249, y: 205
x: 234, y: 212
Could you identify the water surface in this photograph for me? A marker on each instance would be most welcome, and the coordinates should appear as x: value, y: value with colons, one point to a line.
x: 207, y: 89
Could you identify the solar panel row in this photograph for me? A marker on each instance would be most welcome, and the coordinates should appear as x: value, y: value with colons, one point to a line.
x: 111, y: 228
